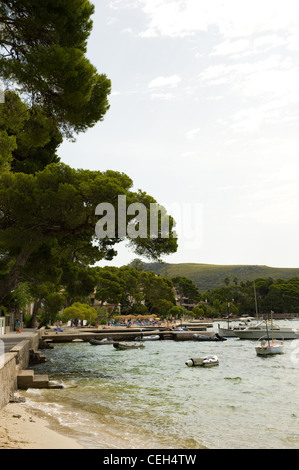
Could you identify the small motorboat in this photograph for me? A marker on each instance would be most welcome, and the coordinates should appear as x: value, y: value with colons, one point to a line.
x: 147, y: 338
x: 96, y: 342
x: 216, y: 337
x: 151, y: 338
x: 128, y: 345
x: 206, y: 361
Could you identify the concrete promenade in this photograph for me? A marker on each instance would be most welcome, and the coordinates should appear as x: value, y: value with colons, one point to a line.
x: 15, y: 352
x: 11, y: 339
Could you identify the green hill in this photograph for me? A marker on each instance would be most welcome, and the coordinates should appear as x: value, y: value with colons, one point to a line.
x: 211, y: 276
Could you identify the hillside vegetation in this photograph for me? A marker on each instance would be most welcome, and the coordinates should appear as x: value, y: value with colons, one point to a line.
x: 212, y: 276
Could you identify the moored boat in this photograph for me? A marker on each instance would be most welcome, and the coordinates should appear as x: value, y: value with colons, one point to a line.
x: 96, y: 342
x: 216, y: 337
x: 256, y: 331
x: 123, y: 345
x: 151, y: 338
x: 148, y: 338
x: 261, y: 328
x: 267, y: 346
x: 206, y: 361
x: 229, y: 331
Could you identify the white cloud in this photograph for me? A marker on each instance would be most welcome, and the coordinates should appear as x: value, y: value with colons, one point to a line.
x: 270, y: 41
x: 273, y: 201
x: 123, y: 4
x: 149, y: 33
x: 191, y: 134
x: 233, y: 18
x: 187, y: 154
x: 161, y: 82
x: 233, y: 48
x: 248, y: 120
x: 127, y: 31
x: 275, y: 77
x: 112, y: 20
x: 246, y: 47
x: 162, y: 96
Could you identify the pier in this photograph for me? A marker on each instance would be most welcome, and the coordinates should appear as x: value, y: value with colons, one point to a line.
x: 125, y: 334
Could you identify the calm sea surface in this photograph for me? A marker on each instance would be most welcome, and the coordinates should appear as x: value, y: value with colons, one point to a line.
x: 150, y: 399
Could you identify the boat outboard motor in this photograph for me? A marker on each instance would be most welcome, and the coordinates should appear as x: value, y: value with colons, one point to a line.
x: 190, y: 363
x: 219, y: 338
x: 195, y: 362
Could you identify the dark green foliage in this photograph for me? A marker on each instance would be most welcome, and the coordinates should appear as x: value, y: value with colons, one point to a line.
x: 137, y: 292
x: 29, y: 138
x: 281, y: 296
x: 186, y: 288
x: 43, y: 46
x: 56, y: 208
x: 47, y: 209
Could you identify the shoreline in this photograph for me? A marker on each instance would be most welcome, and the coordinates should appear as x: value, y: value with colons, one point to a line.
x: 22, y: 428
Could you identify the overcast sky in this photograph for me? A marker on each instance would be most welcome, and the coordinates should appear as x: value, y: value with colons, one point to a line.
x: 204, y: 117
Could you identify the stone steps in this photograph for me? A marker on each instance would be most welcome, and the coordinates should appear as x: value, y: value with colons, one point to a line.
x: 27, y: 379
x: 35, y: 357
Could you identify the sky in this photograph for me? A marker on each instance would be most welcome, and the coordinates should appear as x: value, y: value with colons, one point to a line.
x: 204, y: 117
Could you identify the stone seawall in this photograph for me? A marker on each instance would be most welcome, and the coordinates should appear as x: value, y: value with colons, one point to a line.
x: 8, y: 377
x: 13, y: 361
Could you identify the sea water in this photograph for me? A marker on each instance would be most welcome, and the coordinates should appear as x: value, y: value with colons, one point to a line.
x: 149, y: 399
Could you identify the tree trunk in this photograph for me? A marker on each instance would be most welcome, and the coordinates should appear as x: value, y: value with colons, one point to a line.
x: 114, y: 308
x: 36, y: 306
x: 11, y: 281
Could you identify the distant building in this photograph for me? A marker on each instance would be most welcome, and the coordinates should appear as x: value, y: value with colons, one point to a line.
x: 110, y: 308
x: 184, y: 301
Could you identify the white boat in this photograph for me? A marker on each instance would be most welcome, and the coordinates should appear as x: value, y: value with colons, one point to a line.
x: 215, y: 337
x: 246, y: 321
x: 256, y: 331
x: 229, y: 332
x: 128, y: 345
x: 147, y: 338
x: 151, y: 338
x: 97, y: 342
x: 269, y: 346
x: 206, y: 361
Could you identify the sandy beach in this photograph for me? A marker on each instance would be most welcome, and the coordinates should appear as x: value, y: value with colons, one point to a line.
x: 21, y: 428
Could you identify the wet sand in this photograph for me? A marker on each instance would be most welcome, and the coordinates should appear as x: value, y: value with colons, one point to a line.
x: 21, y: 428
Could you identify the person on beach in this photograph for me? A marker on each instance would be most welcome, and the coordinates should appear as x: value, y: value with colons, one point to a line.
x: 18, y: 326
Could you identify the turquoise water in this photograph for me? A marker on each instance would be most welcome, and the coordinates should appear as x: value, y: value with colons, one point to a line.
x: 150, y: 399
